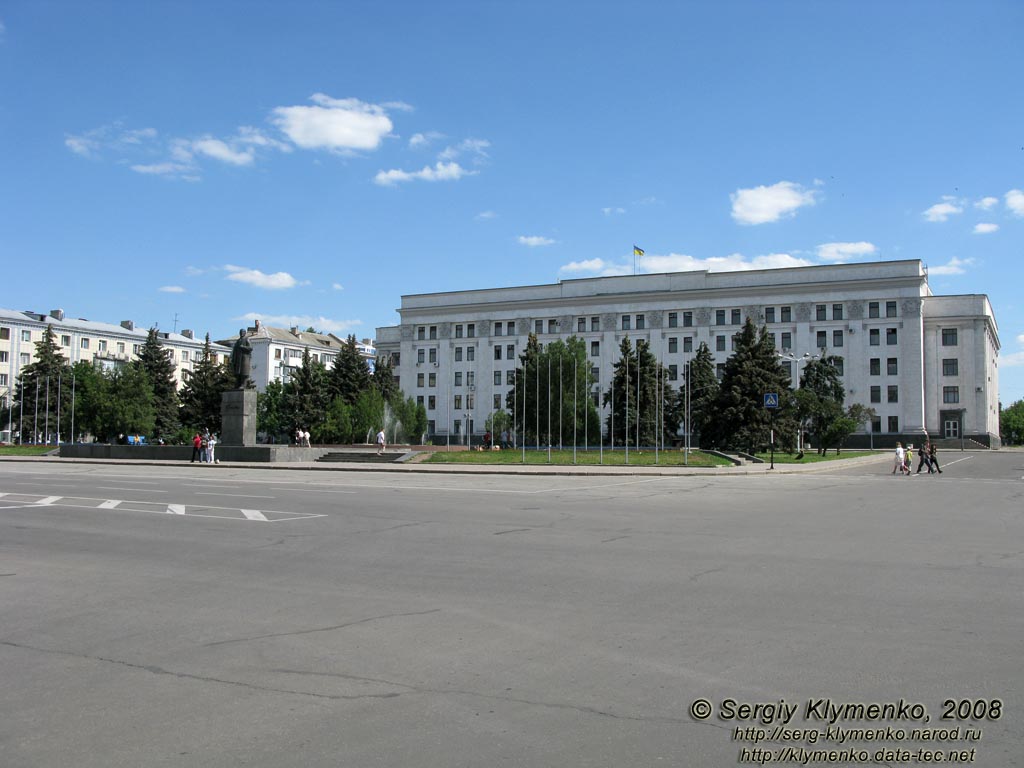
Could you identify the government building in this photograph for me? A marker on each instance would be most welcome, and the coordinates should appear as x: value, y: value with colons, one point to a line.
x: 924, y: 363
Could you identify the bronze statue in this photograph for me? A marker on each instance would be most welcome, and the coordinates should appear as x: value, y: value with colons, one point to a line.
x: 241, y: 361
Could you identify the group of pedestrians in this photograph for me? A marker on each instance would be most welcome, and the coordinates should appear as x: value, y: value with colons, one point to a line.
x: 204, y: 445
x: 904, y: 459
x: 302, y: 437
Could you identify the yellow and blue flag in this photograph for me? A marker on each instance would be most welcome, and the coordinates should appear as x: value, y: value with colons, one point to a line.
x: 638, y: 251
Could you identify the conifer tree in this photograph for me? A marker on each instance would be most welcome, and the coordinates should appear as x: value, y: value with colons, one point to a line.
x: 307, y: 395
x: 703, y: 393
x: 201, y: 395
x: 350, y: 375
x: 383, y: 378
x: 40, y: 388
x: 159, y: 368
x: 639, y: 384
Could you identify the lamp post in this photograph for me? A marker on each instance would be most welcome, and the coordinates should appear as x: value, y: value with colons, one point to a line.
x: 806, y: 357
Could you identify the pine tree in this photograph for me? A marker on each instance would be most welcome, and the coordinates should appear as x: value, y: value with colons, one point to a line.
x: 639, y: 384
x: 383, y: 378
x: 201, y: 395
x: 350, y: 375
x: 159, y: 367
x: 270, y: 412
x: 40, y: 391
x: 307, y: 395
x: 703, y: 394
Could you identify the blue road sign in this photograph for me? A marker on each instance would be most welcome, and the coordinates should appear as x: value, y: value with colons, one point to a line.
x: 771, y: 399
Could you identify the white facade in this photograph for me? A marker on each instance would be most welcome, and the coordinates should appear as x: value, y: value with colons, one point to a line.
x: 100, y: 343
x: 277, y: 352
x: 455, y: 351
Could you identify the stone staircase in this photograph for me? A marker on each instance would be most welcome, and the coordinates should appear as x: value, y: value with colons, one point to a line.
x: 356, y: 456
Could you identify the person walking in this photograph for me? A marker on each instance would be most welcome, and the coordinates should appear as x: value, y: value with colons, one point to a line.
x: 909, y: 462
x: 204, y: 447
x: 196, y: 445
x: 211, y: 445
x: 924, y: 460
x: 380, y: 443
x: 900, y: 458
x: 934, y: 461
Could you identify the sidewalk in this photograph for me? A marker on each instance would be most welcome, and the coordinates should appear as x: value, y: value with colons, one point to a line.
x: 489, y: 469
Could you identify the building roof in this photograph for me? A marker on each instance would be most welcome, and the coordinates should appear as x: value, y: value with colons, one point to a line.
x: 127, y: 328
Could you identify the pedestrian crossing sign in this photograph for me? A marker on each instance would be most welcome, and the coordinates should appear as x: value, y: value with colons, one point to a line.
x: 771, y: 399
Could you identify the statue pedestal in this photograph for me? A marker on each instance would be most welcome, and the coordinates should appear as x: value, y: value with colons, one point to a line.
x: 238, y: 417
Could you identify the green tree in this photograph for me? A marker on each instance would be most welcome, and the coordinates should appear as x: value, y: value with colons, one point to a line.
x: 413, y: 417
x: 638, y: 388
x: 753, y: 370
x: 129, y: 409
x: 819, y: 401
x: 367, y: 415
x: 159, y: 368
x: 703, y: 394
x: 350, y: 375
x: 201, y: 395
x: 337, y: 424
x: 39, y: 393
x: 307, y: 395
x: 1011, y: 424
x: 91, y: 395
x: 383, y: 378
x: 271, y: 418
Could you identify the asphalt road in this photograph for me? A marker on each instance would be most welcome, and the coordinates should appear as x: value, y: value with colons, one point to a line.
x: 210, y: 616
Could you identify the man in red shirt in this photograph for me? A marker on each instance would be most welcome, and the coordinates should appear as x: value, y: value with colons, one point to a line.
x: 197, y: 442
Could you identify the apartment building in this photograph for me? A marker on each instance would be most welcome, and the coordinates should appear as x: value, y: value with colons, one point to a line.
x: 922, y: 362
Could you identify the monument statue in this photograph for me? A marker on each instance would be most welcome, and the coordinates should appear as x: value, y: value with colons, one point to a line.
x: 241, y: 361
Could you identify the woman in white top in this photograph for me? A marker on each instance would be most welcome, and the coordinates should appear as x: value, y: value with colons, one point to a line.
x: 900, y: 457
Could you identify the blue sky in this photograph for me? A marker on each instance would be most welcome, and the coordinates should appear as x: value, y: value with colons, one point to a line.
x: 199, y: 164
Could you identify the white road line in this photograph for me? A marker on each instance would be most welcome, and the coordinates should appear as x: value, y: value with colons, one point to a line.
x: 109, y: 504
x: 253, y: 514
x: 49, y: 500
x: 119, y: 488
x: 175, y: 509
x: 955, y: 461
x: 235, y: 495
x: 311, y: 490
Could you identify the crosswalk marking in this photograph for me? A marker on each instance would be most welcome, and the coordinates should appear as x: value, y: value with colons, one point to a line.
x: 110, y: 504
x: 49, y: 500
x: 175, y: 509
x: 253, y: 514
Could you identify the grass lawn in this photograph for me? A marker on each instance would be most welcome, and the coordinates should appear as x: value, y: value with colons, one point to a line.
x: 671, y: 458
x: 25, y: 450
x: 811, y: 457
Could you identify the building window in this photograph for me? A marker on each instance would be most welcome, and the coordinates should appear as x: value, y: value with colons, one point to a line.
x: 497, y: 353
x: 873, y: 312
x: 787, y: 340
x: 720, y: 371
x: 890, y: 309
x: 431, y: 402
x: 458, y: 331
x: 497, y: 329
x: 510, y: 352
x: 839, y: 365
x: 419, y: 380
x: 184, y: 355
x: 497, y: 378
x: 819, y: 312
x: 890, y: 337
x: 949, y: 337
x: 510, y: 377
x: 733, y: 340
x: 720, y: 343
x: 458, y: 354
x: 595, y: 349
x: 471, y: 354
x: 735, y: 317
x: 85, y: 343
x: 396, y: 359
x: 837, y: 311
x: 24, y: 358
x: 538, y: 327
x: 458, y: 378
x: 470, y: 330
x: 951, y: 394
x: 581, y: 324
x: 510, y: 328
x: 626, y: 322
x: 892, y: 393
x: 673, y: 319
x: 497, y: 402
x: 458, y: 404
x: 950, y: 367
x: 419, y: 399
x: 552, y: 326
x: 673, y: 344
x: 894, y: 424
x: 874, y: 337
x: 892, y: 366
x: 875, y: 366
x: 837, y: 338
x: 876, y: 424
x: 26, y: 335
x: 595, y: 373
x: 102, y: 346
x: 433, y: 332
x: 595, y: 323
x: 120, y: 350
x: 687, y: 319
x: 641, y: 322
x: 788, y: 368
x: 136, y: 348
x: 65, y: 340
x: 4, y: 357
x: 432, y: 380
x: 876, y: 394
x: 421, y: 355
x: 821, y: 339
x: 769, y: 314
x: 421, y: 333
x: 3, y: 380
x: 5, y: 335
x: 787, y: 314
x: 687, y: 343
x: 432, y: 355
x: 673, y: 372
x: 719, y: 317
x: 470, y: 378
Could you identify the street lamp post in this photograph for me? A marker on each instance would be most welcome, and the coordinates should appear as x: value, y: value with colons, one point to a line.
x: 806, y: 357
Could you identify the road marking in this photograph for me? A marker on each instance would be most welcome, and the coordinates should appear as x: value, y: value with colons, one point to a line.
x: 235, y: 495
x: 109, y: 504
x: 253, y: 514
x: 49, y: 500
x: 120, y: 488
x: 310, y: 490
x: 956, y: 461
x: 175, y: 509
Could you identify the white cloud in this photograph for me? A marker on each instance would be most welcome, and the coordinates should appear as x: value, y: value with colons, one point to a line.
x: 339, y: 125
x: 1015, y: 202
x: 534, y: 241
x: 424, y: 139
x: 194, y: 271
x: 321, y: 323
x: 82, y: 145
x: 985, y: 228
x: 843, y: 252
x: 950, y: 206
x: 610, y: 211
x: 275, y: 282
x: 477, y: 148
x: 1012, y: 360
x: 486, y: 216
x: 987, y: 203
x: 219, y: 150
x: 171, y: 289
x: 1020, y: 339
x: 337, y: 287
x: 675, y: 262
x: 440, y: 172
x: 954, y: 266
x: 163, y: 169
x: 761, y: 205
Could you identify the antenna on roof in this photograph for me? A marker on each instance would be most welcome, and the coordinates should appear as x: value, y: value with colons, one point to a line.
x: 175, y: 322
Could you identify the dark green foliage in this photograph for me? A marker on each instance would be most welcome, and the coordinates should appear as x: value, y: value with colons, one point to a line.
x: 154, y: 360
x: 1011, y: 424
x: 306, y: 395
x: 384, y: 378
x: 271, y: 419
x: 201, y: 395
x: 637, y: 396
x: 350, y: 374
x: 820, y: 405
x: 40, y: 390
x: 703, y: 394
